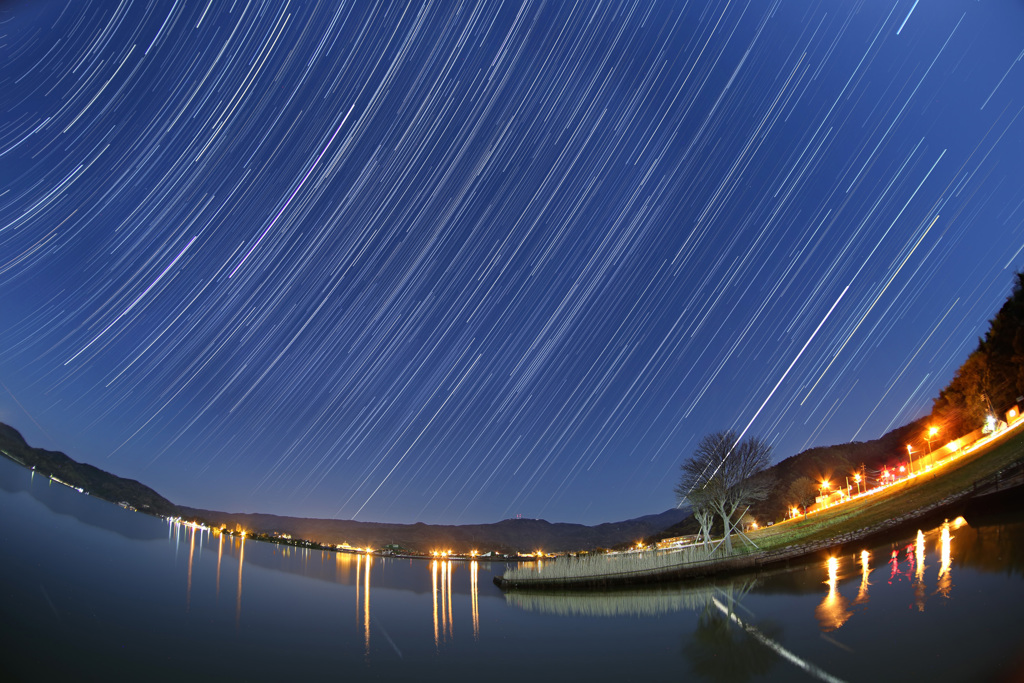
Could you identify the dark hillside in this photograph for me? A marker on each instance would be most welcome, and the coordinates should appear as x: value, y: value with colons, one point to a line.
x: 510, y: 535
x: 80, y: 475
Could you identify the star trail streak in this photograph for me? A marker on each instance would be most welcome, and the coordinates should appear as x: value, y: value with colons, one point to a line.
x: 453, y: 262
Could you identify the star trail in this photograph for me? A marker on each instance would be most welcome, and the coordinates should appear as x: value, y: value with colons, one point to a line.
x: 454, y: 262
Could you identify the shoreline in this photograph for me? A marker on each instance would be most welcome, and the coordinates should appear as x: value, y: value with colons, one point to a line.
x: 1003, y: 471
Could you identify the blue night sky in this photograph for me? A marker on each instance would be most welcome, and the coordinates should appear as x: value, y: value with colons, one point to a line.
x: 454, y: 262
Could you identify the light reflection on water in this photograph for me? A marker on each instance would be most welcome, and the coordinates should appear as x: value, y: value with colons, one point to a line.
x: 431, y: 618
x: 833, y: 611
x: 865, y: 572
x: 346, y: 565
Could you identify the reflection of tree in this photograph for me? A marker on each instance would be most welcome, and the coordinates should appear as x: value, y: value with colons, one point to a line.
x: 724, y: 646
x: 720, y: 650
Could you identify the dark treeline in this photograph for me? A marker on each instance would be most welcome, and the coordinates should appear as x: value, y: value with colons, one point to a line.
x: 991, y: 380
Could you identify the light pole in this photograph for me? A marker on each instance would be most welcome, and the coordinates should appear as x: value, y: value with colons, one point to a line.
x: 910, y: 454
x: 856, y: 478
x: 932, y: 431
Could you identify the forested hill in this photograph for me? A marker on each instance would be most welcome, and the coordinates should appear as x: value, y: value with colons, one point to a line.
x: 81, y: 475
x: 991, y: 380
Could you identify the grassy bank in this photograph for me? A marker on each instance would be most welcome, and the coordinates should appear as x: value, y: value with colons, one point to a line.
x: 921, y: 493
x: 863, y: 516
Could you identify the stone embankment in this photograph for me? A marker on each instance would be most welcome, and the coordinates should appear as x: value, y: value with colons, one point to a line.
x: 1008, y: 477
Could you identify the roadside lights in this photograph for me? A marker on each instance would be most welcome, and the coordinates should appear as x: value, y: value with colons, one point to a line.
x: 910, y: 453
x: 856, y: 478
x: 932, y: 431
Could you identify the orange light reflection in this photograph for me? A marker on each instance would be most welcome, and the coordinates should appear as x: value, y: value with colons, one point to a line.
x: 433, y: 592
x: 473, y: 573
x: 238, y: 602
x: 945, y: 582
x: 832, y: 613
x: 865, y: 570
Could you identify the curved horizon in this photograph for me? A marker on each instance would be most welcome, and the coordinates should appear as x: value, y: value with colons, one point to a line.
x: 435, y: 263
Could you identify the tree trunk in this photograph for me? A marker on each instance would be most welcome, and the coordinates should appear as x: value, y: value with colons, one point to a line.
x: 726, y: 529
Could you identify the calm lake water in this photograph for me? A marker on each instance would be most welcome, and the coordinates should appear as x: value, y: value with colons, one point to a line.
x: 94, y: 592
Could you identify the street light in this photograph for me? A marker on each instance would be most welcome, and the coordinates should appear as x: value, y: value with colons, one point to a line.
x: 932, y: 431
x: 856, y: 478
x: 910, y: 454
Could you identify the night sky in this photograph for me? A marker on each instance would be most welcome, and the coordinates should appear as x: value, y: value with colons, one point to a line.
x: 456, y: 262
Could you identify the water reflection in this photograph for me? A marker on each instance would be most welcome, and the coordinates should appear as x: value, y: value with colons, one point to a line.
x: 945, y: 582
x: 723, y: 647
x: 188, y: 583
x: 650, y: 601
x: 441, y: 579
x: 833, y: 610
x: 433, y: 592
x: 474, y: 570
x: 717, y: 650
x: 865, y: 571
x: 220, y: 553
x: 919, y: 572
x: 91, y: 609
x: 364, y: 606
x: 238, y: 600
x: 724, y: 631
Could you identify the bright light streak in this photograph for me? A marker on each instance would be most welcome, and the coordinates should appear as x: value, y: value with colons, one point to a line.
x: 134, y: 303
x: 294, y: 192
x: 905, y: 19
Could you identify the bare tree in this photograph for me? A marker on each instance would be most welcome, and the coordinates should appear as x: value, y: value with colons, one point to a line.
x: 721, y: 475
x: 701, y: 507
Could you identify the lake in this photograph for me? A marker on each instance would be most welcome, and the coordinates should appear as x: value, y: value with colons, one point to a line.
x: 95, y: 592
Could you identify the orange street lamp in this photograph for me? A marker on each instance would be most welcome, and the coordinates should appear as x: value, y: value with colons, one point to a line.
x: 910, y: 454
x: 932, y: 431
x: 856, y: 478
